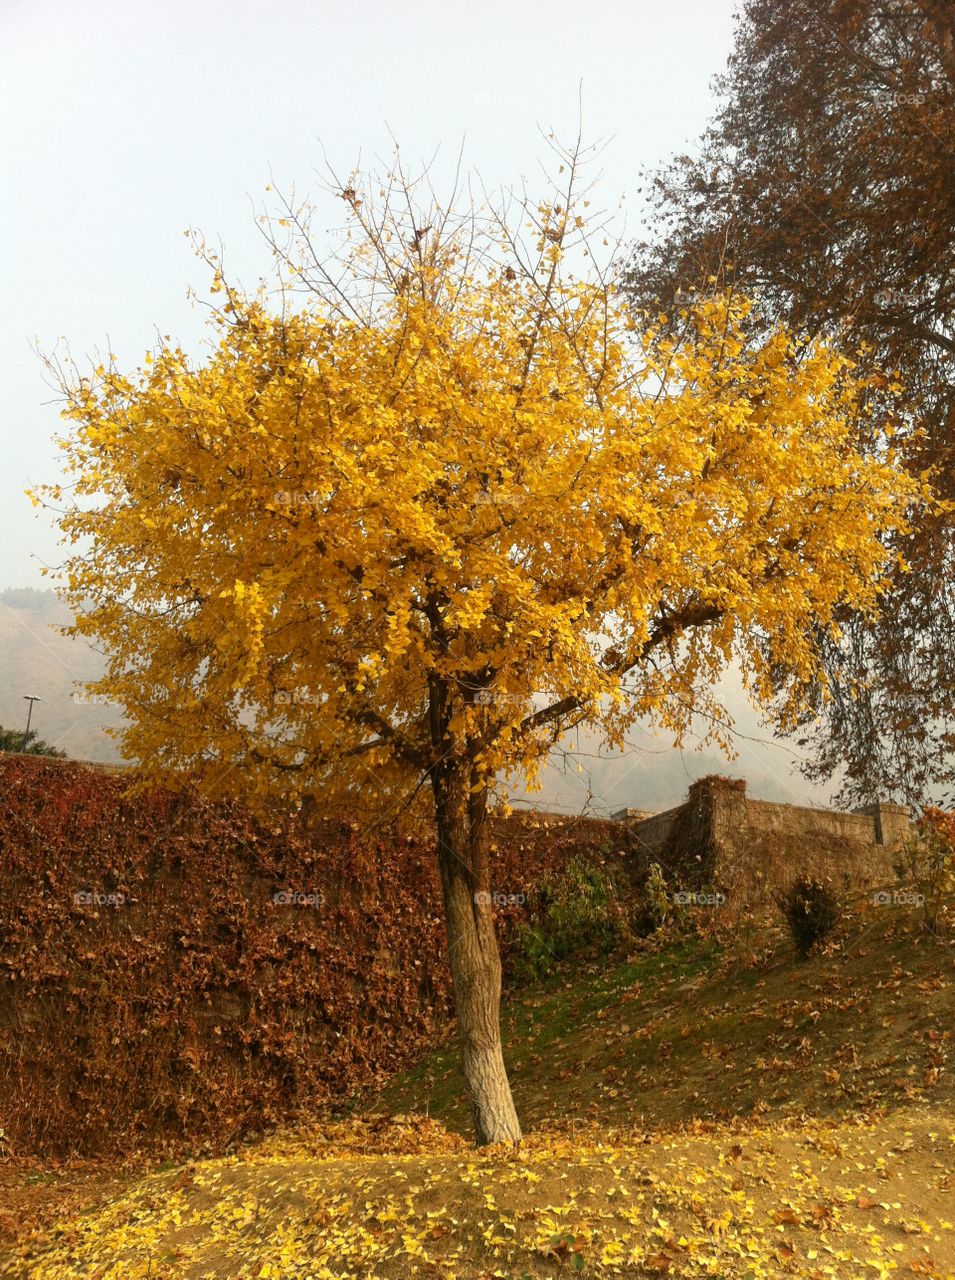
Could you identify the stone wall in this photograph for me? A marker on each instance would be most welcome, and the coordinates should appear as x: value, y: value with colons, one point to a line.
x: 750, y: 849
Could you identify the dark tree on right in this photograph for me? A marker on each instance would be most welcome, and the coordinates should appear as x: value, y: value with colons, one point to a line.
x: 825, y: 188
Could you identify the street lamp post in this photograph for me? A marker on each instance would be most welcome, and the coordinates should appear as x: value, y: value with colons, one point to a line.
x: 31, y: 698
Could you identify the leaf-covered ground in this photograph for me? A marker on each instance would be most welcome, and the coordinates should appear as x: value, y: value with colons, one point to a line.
x: 865, y: 1200
x: 699, y: 1110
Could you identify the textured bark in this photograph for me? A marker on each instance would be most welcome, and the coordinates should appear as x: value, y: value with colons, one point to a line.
x: 473, y: 953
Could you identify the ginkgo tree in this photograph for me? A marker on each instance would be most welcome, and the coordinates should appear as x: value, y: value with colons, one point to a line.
x: 436, y: 495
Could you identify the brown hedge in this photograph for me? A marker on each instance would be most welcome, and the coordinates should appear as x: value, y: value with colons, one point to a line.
x: 184, y: 1007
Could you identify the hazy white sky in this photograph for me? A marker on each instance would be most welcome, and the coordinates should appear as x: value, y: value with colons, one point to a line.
x: 128, y: 121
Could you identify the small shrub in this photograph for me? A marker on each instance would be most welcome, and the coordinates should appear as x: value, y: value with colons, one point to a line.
x: 811, y: 910
x: 655, y: 901
x: 579, y: 911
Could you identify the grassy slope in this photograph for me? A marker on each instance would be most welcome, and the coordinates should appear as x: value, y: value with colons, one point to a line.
x: 700, y: 1031
x: 757, y: 1117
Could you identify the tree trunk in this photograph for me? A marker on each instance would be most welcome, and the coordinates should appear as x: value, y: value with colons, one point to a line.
x: 473, y: 953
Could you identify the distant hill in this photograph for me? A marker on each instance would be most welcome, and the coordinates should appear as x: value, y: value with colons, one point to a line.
x: 36, y: 658
x: 652, y: 774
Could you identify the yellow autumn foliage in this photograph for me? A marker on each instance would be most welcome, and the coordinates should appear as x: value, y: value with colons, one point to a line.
x: 452, y: 500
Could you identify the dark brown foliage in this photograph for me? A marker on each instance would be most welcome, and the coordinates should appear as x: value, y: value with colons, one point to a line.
x: 197, y: 1009
x: 825, y: 187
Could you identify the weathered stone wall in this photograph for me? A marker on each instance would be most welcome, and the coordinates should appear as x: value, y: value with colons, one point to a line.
x: 763, y: 816
x: 651, y: 834
x: 893, y: 822
x: 750, y: 849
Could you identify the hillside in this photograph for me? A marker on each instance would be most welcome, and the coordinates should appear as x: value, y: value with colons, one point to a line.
x: 715, y: 1033
x: 702, y: 1108
x: 35, y: 658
